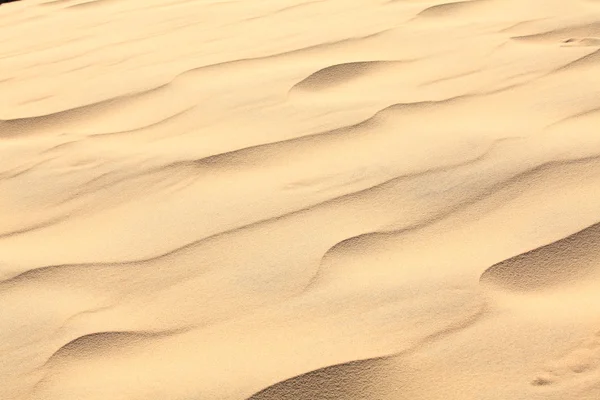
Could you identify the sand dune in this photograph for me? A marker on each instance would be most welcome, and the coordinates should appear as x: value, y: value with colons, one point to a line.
x: 288, y: 199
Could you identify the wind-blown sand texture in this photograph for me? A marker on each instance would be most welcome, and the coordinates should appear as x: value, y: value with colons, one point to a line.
x: 287, y: 199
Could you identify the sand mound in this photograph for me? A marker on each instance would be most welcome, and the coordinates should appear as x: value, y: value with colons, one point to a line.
x: 352, y: 381
x: 448, y: 10
x: 336, y: 75
x: 564, y: 262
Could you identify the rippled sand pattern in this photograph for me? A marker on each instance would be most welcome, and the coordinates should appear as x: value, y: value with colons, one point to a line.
x: 307, y: 200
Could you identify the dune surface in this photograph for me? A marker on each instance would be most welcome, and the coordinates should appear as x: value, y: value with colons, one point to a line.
x: 300, y: 199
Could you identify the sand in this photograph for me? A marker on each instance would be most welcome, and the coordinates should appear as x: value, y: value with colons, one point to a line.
x: 293, y: 199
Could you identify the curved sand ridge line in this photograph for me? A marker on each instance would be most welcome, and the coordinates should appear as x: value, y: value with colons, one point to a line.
x: 16, y: 128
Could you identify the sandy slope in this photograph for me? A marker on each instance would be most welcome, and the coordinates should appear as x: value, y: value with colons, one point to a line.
x: 288, y: 199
